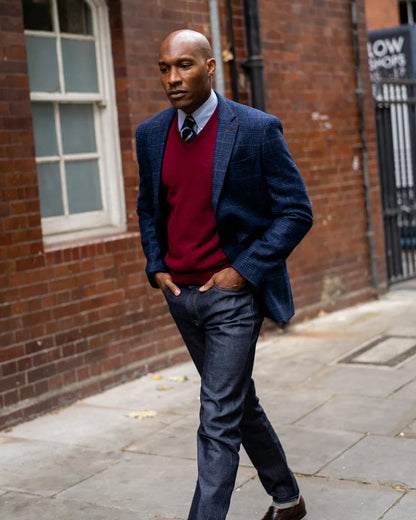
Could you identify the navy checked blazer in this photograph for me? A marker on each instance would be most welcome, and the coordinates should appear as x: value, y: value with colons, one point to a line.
x: 260, y: 203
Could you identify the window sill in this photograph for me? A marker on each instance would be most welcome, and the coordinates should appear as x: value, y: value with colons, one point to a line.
x: 82, y: 237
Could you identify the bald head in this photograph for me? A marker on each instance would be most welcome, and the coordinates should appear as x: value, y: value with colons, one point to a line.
x: 186, y: 68
x: 192, y: 38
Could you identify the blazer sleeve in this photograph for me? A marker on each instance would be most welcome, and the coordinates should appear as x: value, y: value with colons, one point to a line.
x: 290, y: 209
x: 146, y: 211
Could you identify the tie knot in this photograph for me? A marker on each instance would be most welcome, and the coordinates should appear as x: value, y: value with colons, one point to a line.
x: 188, y: 129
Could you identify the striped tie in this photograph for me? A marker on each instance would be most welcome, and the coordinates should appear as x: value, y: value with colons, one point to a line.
x: 187, y: 130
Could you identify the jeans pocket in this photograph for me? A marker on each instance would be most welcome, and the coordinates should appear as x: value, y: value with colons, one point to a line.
x: 231, y: 290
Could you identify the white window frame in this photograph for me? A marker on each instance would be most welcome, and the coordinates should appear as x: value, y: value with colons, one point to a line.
x: 112, y: 218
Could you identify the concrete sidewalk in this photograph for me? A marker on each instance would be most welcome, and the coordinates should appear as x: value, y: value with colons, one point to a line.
x: 340, y: 390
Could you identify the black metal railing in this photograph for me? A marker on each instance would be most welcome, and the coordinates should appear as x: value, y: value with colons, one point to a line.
x: 395, y: 112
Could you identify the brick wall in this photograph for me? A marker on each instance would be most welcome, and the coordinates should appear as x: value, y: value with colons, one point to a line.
x: 74, y: 318
x: 79, y: 317
x: 381, y: 14
x: 310, y: 77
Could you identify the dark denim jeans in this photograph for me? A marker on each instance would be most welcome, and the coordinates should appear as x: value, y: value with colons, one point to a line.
x: 220, y: 328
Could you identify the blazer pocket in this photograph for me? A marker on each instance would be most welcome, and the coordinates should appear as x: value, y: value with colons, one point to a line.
x: 242, y: 161
x: 245, y: 169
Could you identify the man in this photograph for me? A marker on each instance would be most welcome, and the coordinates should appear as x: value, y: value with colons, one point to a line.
x: 221, y: 207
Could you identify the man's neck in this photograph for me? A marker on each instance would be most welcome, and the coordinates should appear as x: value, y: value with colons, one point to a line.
x: 201, y: 114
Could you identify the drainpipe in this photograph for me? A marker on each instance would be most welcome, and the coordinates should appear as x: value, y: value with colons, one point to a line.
x: 254, y: 63
x: 232, y: 62
x: 216, y: 46
x: 364, y: 155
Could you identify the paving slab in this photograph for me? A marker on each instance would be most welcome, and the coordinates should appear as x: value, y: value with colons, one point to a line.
x: 403, y: 509
x: 377, y: 460
x: 366, y: 415
x: 103, y: 429
x: 360, y: 380
x: 338, y: 500
x: 17, y: 506
x: 302, y: 343
x: 284, y: 373
x: 150, y: 485
x: 388, y: 348
x: 408, y: 368
x: 407, y: 391
x: 286, y: 406
x: 309, y: 450
x: 409, y: 431
x: 176, y: 440
x: 46, y: 468
x: 162, y: 395
x: 325, y: 499
x: 408, y: 285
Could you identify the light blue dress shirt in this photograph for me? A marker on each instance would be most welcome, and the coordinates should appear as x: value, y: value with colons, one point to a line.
x: 201, y: 114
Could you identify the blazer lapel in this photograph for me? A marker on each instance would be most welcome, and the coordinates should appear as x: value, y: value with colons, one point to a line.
x: 158, y: 138
x: 226, y: 134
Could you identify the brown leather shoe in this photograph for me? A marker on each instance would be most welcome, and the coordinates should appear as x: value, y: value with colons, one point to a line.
x: 291, y: 513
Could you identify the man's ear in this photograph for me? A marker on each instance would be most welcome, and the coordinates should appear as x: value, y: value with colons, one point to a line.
x: 211, y: 66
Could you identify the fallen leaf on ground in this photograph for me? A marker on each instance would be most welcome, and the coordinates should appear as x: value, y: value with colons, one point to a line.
x: 142, y: 414
x: 157, y: 377
x: 160, y: 387
x: 178, y: 379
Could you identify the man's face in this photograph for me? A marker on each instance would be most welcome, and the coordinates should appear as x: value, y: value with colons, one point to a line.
x: 185, y: 73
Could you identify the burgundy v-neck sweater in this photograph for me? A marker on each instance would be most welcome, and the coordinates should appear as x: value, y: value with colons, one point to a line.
x: 194, y: 252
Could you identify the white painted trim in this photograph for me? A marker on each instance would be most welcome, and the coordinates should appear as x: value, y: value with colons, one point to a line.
x: 47, y: 159
x: 68, y: 157
x: 113, y: 217
x: 51, y: 240
x: 73, y: 97
x: 81, y: 156
x: 44, y: 34
x: 55, y: 23
x: 109, y: 131
x: 74, y: 36
x: 61, y: 163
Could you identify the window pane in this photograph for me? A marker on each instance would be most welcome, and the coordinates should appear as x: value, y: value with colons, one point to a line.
x: 42, y: 63
x: 37, y: 15
x: 414, y: 12
x: 77, y: 127
x: 74, y: 17
x: 50, y: 190
x: 83, y: 186
x: 44, y: 129
x: 80, y: 67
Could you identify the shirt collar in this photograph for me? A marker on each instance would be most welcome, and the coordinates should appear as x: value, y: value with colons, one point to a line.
x: 201, y: 114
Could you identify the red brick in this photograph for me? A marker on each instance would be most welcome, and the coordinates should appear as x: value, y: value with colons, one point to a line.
x: 43, y: 372
x: 33, y: 262
x: 6, y: 369
x: 12, y: 382
x: 27, y: 392
x: 10, y: 353
x: 11, y: 398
